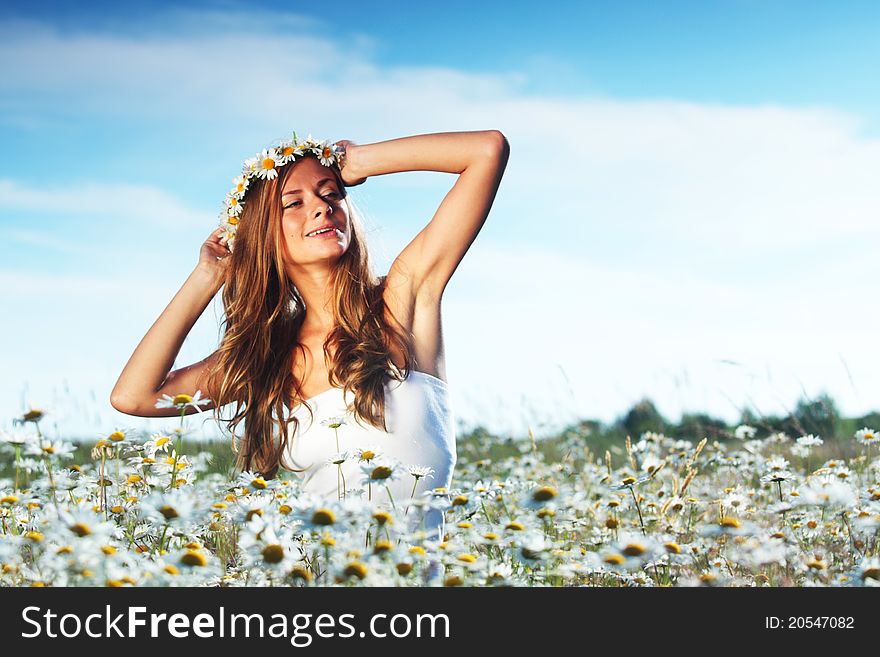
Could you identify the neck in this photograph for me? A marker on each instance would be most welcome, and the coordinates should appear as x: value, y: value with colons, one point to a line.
x: 313, y: 283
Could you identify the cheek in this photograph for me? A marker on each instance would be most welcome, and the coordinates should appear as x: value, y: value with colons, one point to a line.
x: 290, y: 227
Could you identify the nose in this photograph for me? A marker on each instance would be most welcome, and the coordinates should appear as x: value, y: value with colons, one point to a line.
x: 326, y: 207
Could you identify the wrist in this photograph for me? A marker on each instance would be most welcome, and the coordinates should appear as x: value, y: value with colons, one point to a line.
x: 350, y: 164
x: 211, y: 276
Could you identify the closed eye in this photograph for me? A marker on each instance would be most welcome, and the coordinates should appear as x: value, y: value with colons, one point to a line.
x: 293, y: 203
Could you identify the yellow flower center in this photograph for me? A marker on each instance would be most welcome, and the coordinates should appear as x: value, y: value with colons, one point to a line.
x: 268, y: 164
x: 273, y: 553
x: 323, y: 517
x: 169, y: 512
x: 544, y: 493
x: 163, y: 440
x: 634, y: 549
x: 181, y: 399
x: 355, y: 568
x: 380, y: 472
x: 259, y: 483
x: 298, y: 572
x: 417, y: 549
x: 382, y: 545
x: 467, y: 558
x: 80, y: 529
x: 194, y: 558
x: 116, y: 436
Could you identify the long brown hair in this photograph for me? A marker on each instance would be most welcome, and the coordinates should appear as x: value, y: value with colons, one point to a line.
x: 263, y: 314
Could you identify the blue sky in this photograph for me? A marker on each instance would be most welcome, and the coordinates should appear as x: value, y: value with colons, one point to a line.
x: 710, y: 166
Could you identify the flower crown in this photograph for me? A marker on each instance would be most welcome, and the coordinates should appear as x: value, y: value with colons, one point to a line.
x: 265, y: 165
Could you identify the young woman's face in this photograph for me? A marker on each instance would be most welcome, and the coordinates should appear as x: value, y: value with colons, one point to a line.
x: 311, y: 200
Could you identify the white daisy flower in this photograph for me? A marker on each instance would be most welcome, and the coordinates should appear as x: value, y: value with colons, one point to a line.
x: 158, y: 442
x: 338, y: 458
x: 744, y: 431
x: 239, y: 186
x: 233, y: 205
x: 17, y: 437
x: 250, y: 166
x: 267, y: 164
x: 333, y: 422
x: 368, y: 453
x: 809, y: 441
x: 325, y: 154
x: 419, y: 471
x: 287, y: 152
x: 382, y: 472
x: 58, y: 448
x: 182, y: 400
x: 867, y: 436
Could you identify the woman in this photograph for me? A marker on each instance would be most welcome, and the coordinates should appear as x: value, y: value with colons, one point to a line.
x: 357, y: 361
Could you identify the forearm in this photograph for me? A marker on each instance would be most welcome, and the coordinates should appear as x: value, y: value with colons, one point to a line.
x: 449, y: 152
x: 153, y: 358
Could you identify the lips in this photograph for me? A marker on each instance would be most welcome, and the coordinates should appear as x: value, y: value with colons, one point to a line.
x: 328, y: 225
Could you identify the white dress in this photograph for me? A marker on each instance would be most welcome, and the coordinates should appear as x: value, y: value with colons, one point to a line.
x: 421, y: 432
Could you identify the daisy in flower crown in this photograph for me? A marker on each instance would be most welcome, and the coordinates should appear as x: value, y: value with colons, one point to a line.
x: 308, y: 323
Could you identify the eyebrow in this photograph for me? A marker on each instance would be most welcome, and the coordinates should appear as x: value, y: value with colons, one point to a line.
x: 297, y: 191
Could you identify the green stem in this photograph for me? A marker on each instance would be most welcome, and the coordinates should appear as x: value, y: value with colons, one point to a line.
x: 412, y: 494
x: 390, y: 497
x: 17, y: 458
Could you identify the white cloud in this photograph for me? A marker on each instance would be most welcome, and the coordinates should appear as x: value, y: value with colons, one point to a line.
x: 143, y: 204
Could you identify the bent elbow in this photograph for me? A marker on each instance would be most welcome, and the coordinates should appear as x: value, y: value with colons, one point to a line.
x: 500, y: 145
x: 122, y: 404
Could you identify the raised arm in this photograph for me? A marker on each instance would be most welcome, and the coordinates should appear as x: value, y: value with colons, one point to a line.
x: 146, y: 376
x: 479, y: 157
